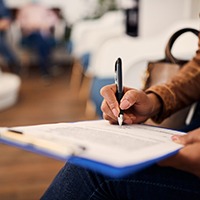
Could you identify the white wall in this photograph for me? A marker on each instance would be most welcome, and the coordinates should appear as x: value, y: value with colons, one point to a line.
x: 195, y: 11
x: 158, y: 13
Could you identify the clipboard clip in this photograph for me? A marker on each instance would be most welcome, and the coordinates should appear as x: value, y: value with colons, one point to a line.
x: 19, y: 138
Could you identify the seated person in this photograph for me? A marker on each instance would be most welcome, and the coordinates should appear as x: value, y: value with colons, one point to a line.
x: 177, y: 177
x: 5, y: 50
x: 36, y: 22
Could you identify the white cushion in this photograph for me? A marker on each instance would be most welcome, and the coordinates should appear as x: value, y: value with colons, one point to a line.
x: 9, y: 88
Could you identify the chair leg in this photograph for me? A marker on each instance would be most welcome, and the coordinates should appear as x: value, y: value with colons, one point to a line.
x: 84, y: 92
x: 90, y: 111
x: 25, y: 64
x: 76, y: 77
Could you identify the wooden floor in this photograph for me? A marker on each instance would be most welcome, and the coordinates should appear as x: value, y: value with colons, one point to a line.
x: 24, y: 175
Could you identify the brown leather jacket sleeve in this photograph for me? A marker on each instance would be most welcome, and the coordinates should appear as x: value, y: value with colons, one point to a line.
x: 181, y: 91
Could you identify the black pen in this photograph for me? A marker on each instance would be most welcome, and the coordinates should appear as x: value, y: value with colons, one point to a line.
x: 119, y: 84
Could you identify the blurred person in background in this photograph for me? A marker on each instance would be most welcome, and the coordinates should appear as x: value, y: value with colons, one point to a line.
x: 37, y: 23
x: 5, y: 50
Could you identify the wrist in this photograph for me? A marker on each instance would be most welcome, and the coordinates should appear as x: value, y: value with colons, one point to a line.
x: 156, y: 103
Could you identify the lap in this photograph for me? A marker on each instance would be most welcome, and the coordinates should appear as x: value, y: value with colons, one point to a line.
x: 154, y: 182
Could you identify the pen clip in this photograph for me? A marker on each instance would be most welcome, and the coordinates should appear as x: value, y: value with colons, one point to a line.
x: 116, y: 74
x: 119, y: 85
x: 118, y: 78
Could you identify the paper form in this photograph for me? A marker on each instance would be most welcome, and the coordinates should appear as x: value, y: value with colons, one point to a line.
x: 110, y: 144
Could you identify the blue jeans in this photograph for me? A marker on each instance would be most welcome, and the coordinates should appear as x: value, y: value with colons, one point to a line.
x: 42, y: 46
x: 8, y: 54
x: 75, y: 183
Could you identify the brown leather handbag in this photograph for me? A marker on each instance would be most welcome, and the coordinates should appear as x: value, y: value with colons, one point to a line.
x: 161, y: 71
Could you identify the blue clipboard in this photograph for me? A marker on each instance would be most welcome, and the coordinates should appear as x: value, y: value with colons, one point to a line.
x: 98, y: 167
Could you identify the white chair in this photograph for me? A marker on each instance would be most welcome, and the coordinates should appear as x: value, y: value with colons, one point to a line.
x: 9, y: 89
x: 136, y: 52
x: 87, y: 35
x: 132, y: 50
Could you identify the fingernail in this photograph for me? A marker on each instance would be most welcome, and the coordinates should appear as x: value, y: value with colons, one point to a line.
x: 125, y: 104
x: 115, y: 112
x: 176, y: 138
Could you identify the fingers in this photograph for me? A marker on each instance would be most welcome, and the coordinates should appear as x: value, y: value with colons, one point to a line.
x: 135, y: 103
x: 133, y: 96
x: 188, y: 159
x: 129, y: 98
x: 191, y: 137
x: 110, y: 105
x: 112, y: 118
x: 108, y: 114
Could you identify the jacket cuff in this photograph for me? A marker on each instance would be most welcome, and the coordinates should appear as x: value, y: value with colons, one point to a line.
x: 167, y: 99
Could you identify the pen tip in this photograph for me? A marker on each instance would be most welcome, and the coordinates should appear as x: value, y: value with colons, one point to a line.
x: 120, y: 119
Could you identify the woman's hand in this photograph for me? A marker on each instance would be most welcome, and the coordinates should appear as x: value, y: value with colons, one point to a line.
x: 137, y: 105
x: 188, y: 158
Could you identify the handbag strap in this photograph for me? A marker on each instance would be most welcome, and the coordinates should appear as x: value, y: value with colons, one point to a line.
x: 168, y: 54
